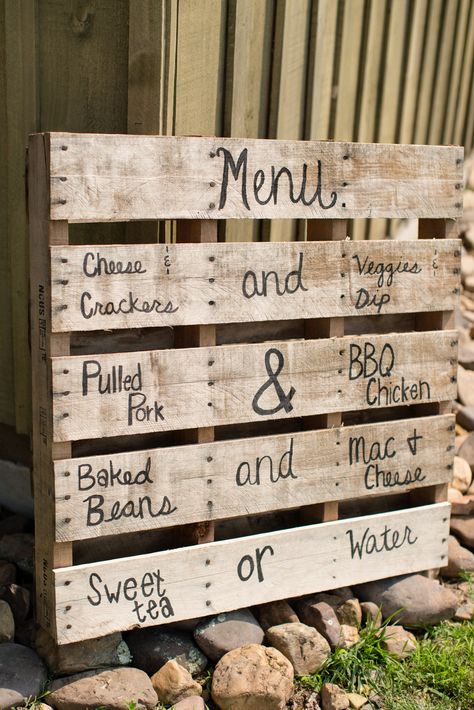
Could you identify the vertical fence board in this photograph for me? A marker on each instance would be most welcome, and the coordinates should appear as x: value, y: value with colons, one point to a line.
x: 464, y: 108
x: 347, y: 82
x: 248, y: 65
x: 370, y: 89
x: 465, y: 12
x: 20, y: 69
x: 428, y: 71
x: 199, y: 67
x: 415, y: 54
x: 443, y: 76
x: 287, y: 108
x: 7, y: 392
x: 320, y: 82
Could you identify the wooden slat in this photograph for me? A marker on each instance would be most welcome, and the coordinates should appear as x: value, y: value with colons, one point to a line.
x: 199, y: 77
x: 48, y: 554
x: 21, y: 115
x: 462, y: 108
x: 117, y: 178
x: 288, y: 82
x: 458, y: 71
x: 321, y: 70
x: 423, y: 112
x: 347, y: 83
x: 248, y: 68
x: 412, y: 78
x: 173, y: 486
x: 208, y: 283
x: 207, y: 579
x: 7, y: 392
x: 444, y: 75
x: 163, y: 390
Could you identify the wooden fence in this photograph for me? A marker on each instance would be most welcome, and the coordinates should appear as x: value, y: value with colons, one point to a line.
x: 364, y: 70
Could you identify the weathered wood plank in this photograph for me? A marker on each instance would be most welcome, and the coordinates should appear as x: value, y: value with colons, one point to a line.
x: 145, y: 490
x: 207, y: 579
x: 131, y: 393
x: 44, y: 344
x: 116, y: 177
x: 165, y: 285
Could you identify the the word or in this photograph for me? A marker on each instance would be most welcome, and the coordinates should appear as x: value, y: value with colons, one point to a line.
x: 97, y: 265
x: 248, y: 564
x: 99, y: 511
x: 291, y: 283
x: 264, y: 466
x: 260, y: 178
x: 147, y: 594
x: 125, y: 306
x: 386, y: 541
x: 284, y: 400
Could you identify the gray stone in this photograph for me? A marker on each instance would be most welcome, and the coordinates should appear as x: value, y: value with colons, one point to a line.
x: 349, y: 636
x: 7, y: 622
x: 151, y: 648
x: 466, y: 450
x: 113, y: 688
x: 173, y: 683
x: 415, y: 599
x: 398, y: 641
x: 302, y: 645
x: 15, y: 488
x: 333, y: 697
x: 371, y: 611
x: 21, y: 670
x: 274, y: 613
x: 463, y: 505
x: 19, y: 600
x: 7, y: 573
x: 465, y: 386
x: 18, y: 548
x: 219, y: 634
x: 252, y: 678
x: 465, y: 612
x: 463, y: 527
x: 10, y: 698
x: 465, y: 417
x: 459, y: 558
x: 350, y: 613
x: 193, y: 703
x: 322, y: 617
x: 101, y: 652
x: 356, y: 701
x: 462, y: 475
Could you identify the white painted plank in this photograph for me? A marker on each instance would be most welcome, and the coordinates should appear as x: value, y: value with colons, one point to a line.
x: 137, y: 392
x: 188, y: 284
x: 208, y: 579
x: 117, y: 177
x: 144, y: 490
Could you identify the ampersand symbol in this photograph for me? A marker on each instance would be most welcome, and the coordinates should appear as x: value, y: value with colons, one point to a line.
x: 284, y: 399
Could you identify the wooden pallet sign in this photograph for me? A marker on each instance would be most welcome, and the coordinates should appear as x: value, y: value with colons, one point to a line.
x: 288, y: 417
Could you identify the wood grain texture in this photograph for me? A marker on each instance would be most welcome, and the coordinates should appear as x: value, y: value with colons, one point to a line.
x: 43, y: 233
x: 207, y: 579
x: 165, y: 487
x: 193, y: 284
x: 169, y: 389
x: 113, y: 178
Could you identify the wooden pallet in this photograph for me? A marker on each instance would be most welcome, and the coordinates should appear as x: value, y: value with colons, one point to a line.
x: 206, y: 414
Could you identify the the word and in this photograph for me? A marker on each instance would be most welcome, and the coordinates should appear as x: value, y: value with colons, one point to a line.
x: 264, y: 466
x: 291, y: 283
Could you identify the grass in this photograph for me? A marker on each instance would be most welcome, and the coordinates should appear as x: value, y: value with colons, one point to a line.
x: 439, y: 675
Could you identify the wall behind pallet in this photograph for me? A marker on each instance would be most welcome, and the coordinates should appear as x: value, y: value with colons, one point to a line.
x: 366, y: 70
